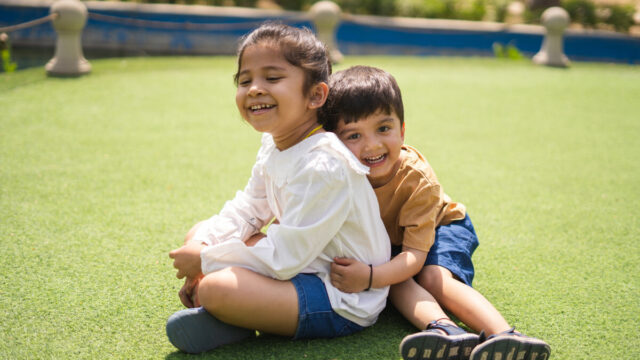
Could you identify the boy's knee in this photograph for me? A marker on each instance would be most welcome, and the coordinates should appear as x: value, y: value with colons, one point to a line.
x: 432, y: 277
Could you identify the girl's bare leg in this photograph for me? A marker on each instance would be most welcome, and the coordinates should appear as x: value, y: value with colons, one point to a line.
x: 463, y: 301
x: 243, y: 298
x: 192, y: 231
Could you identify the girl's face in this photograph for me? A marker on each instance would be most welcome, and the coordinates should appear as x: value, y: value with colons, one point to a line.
x: 270, y: 94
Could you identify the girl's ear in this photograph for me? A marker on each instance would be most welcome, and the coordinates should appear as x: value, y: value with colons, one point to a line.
x: 319, y: 93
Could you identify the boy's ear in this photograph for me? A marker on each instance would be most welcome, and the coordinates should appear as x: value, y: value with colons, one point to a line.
x: 402, y: 131
x: 319, y: 93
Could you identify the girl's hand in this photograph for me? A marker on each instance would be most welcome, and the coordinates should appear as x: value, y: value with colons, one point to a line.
x: 189, y: 292
x: 349, y: 275
x: 187, y: 260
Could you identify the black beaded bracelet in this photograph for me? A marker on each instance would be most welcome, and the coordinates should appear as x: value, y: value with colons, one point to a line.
x: 370, y: 277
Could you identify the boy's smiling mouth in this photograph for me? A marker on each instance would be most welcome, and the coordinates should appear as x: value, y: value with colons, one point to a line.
x: 374, y: 160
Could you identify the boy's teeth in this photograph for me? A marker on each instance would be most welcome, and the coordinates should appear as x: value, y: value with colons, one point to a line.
x: 375, y: 159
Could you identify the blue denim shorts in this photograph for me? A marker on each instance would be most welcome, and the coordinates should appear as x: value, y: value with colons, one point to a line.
x: 452, y: 249
x: 316, y: 318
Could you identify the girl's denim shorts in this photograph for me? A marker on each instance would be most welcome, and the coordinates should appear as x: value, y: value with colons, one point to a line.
x: 316, y: 318
x: 452, y: 249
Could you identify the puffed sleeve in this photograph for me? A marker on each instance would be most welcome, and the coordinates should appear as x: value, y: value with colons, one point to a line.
x: 243, y: 216
x: 315, y: 203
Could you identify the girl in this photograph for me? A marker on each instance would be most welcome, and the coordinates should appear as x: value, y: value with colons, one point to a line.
x: 321, y: 200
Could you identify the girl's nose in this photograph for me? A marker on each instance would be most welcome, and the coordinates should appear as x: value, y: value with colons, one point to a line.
x: 255, y: 90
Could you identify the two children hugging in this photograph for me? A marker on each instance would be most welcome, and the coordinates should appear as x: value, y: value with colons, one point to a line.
x: 323, y: 268
x: 432, y: 237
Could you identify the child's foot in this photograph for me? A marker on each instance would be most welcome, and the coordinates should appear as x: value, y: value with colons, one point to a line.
x: 195, y: 331
x: 511, y: 345
x: 439, y: 341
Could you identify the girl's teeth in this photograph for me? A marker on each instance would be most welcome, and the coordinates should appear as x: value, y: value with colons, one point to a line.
x: 259, y: 107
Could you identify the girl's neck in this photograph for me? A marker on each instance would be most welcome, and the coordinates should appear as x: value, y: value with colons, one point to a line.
x: 297, y: 135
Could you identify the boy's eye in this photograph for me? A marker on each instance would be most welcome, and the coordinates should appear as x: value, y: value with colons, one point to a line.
x: 244, y: 82
x: 384, y: 128
x: 353, y: 136
x: 273, y: 78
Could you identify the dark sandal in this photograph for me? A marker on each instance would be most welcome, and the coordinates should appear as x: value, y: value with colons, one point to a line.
x: 511, y: 345
x: 431, y: 344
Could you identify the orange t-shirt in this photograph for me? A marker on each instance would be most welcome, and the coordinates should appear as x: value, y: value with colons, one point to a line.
x: 413, y: 203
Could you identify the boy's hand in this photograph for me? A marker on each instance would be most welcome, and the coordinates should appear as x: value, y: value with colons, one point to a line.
x: 189, y: 292
x: 349, y: 275
x: 187, y: 260
x: 253, y: 239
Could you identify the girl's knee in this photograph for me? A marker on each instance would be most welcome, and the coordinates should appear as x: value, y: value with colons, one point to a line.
x: 215, y: 290
x: 192, y: 231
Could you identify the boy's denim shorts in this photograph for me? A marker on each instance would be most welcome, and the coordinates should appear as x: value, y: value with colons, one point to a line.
x: 316, y: 318
x: 452, y: 249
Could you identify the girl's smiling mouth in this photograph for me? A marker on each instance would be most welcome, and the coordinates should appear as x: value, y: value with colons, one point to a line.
x: 260, y: 108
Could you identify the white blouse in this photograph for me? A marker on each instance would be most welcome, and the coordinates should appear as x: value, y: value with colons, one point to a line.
x: 325, y: 207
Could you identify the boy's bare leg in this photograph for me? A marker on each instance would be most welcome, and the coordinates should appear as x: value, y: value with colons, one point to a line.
x: 243, y: 298
x: 463, y: 301
x: 440, y: 337
x: 415, y: 303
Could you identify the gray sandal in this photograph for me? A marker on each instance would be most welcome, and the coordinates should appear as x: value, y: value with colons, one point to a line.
x: 512, y: 345
x: 195, y: 330
x: 431, y: 344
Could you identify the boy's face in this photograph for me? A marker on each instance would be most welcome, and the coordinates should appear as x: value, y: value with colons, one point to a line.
x: 376, y: 141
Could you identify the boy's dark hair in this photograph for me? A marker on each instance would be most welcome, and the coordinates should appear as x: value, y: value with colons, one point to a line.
x: 358, y: 92
x: 299, y: 46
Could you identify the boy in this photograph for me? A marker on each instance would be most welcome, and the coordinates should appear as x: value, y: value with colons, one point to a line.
x: 432, y: 237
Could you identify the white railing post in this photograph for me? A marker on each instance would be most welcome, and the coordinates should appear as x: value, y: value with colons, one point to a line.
x: 326, y: 17
x: 515, y: 13
x: 68, y: 59
x: 555, y: 20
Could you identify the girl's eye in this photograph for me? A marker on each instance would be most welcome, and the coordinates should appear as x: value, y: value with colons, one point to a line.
x: 244, y: 82
x: 273, y: 78
x: 353, y: 136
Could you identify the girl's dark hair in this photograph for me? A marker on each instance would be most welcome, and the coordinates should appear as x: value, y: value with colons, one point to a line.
x: 358, y: 92
x: 299, y: 46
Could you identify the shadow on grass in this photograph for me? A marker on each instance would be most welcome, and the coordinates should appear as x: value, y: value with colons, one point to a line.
x: 377, y: 342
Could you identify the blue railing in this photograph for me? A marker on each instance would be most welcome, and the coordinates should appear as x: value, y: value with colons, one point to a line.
x: 192, y: 33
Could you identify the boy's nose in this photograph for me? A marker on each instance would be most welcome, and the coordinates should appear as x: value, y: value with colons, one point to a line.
x: 372, y: 143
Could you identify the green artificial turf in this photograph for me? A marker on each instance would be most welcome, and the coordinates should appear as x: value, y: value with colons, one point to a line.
x: 103, y: 175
